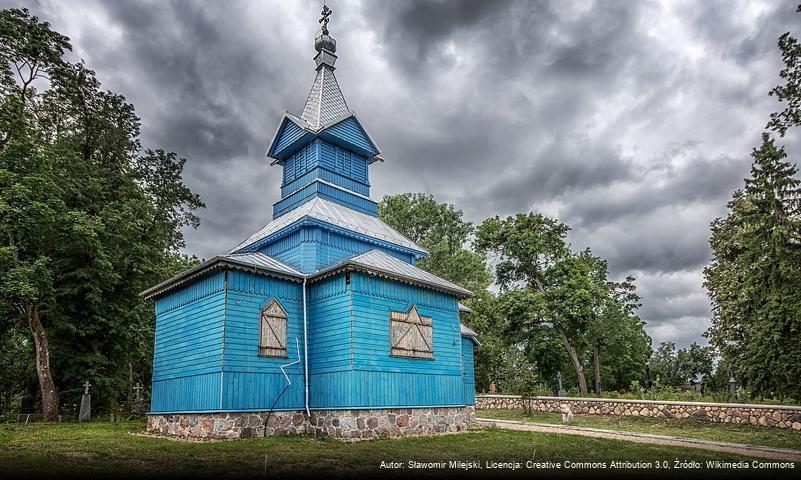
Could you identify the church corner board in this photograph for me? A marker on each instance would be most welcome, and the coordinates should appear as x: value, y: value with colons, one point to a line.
x: 320, y: 322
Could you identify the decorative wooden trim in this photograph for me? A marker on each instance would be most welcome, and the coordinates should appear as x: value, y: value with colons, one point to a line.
x: 421, y: 329
x: 273, y: 324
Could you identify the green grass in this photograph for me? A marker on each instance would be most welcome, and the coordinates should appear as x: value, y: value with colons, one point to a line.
x: 685, y: 427
x: 101, y: 449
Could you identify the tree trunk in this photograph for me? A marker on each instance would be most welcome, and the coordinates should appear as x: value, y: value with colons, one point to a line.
x: 571, y: 351
x: 42, y: 353
x: 596, y: 362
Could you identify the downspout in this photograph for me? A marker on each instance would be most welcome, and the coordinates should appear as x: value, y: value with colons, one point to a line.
x: 225, y: 319
x: 305, y: 348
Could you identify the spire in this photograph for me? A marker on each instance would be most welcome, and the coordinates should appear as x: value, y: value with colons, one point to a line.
x: 325, y: 101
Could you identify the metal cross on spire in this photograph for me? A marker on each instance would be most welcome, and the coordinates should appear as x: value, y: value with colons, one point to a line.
x: 325, y: 13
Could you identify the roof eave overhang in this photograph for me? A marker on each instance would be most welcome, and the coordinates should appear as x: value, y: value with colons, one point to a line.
x: 276, y: 157
x: 310, y: 221
x: 348, y: 266
x: 209, y: 266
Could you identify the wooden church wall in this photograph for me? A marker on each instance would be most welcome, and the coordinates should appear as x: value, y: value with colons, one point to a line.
x: 349, y: 169
x: 251, y: 382
x: 328, y: 175
x: 326, y: 192
x: 380, y: 380
x: 468, y: 371
x: 188, y: 356
x: 310, y: 248
x: 329, y: 325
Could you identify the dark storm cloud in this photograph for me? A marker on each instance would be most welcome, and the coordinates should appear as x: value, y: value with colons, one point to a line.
x: 630, y: 121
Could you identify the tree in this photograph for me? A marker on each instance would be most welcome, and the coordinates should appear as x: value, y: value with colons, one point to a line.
x: 30, y: 203
x: 90, y: 219
x: 790, y: 92
x: 755, y: 276
x: 546, y: 286
x: 540, y: 280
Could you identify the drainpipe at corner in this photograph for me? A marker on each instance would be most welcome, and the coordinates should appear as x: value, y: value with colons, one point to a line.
x: 305, y: 349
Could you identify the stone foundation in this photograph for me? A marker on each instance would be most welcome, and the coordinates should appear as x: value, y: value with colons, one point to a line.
x: 777, y: 416
x: 336, y: 423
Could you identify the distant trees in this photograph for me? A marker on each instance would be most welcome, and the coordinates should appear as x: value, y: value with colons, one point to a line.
x: 675, y: 367
x: 88, y: 218
x: 544, y: 284
x: 754, y: 280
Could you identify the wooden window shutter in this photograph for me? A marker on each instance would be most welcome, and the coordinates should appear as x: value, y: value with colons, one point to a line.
x: 272, y: 340
x: 411, y: 334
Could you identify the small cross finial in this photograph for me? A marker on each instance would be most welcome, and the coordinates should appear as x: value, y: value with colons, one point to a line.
x: 86, y: 386
x: 325, y: 13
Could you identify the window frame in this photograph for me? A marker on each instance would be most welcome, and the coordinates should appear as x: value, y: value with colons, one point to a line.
x: 266, y: 351
x: 408, y: 317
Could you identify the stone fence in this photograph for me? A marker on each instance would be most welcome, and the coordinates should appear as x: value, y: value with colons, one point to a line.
x: 764, y: 415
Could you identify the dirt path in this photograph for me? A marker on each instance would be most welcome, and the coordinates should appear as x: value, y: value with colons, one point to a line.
x: 754, y: 451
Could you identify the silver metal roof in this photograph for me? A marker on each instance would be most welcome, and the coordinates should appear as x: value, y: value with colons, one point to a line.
x: 464, y: 308
x: 262, y: 261
x: 466, y: 332
x: 337, y: 215
x: 325, y: 102
x: 258, y: 262
x: 378, y: 262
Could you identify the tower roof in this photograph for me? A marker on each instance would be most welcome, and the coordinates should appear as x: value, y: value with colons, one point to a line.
x: 325, y: 102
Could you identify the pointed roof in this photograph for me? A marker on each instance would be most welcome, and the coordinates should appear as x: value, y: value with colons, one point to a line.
x: 325, y: 102
x: 338, y: 216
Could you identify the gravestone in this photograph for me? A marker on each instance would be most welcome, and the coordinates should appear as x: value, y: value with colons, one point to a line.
x: 138, y: 407
x: 561, y: 392
x: 85, y: 413
x: 732, y: 390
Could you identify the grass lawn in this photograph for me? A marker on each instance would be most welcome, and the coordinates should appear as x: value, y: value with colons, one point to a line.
x: 106, y: 449
x: 684, y: 427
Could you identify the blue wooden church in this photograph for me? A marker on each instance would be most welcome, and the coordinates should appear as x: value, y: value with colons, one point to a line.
x: 320, y: 322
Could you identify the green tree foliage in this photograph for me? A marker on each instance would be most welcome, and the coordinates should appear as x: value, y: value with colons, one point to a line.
x: 676, y: 367
x: 790, y: 92
x: 546, y: 286
x: 755, y: 277
x: 89, y: 218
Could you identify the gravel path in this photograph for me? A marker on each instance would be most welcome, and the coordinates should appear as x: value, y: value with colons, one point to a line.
x: 754, y: 451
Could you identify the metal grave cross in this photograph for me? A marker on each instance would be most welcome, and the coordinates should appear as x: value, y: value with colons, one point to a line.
x: 138, y: 389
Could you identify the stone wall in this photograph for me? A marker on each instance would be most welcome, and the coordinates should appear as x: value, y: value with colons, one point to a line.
x: 335, y: 423
x: 762, y: 415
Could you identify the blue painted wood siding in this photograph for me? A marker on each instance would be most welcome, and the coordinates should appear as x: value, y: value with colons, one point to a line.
x: 289, y: 137
x: 350, y: 133
x: 311, y: 248
x: 468, y: 371
x: 251, y: 382
x: 377, y: 379
x: 207, y: 347
x: 329, y: 327
x: 187, y: 358
x: 327, y: 192
x: 321, y: 159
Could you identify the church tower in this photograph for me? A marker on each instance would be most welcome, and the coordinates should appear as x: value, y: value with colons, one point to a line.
x: 325, y: 154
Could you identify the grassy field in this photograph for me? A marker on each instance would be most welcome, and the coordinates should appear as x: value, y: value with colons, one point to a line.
x: 105, y: 449
x: 688, y: 428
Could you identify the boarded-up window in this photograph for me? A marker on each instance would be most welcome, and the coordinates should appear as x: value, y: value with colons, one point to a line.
x: 272, y: 342
x: 411, y: 335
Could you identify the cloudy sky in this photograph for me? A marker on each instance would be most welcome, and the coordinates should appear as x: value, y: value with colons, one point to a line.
x: 630, y: 121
